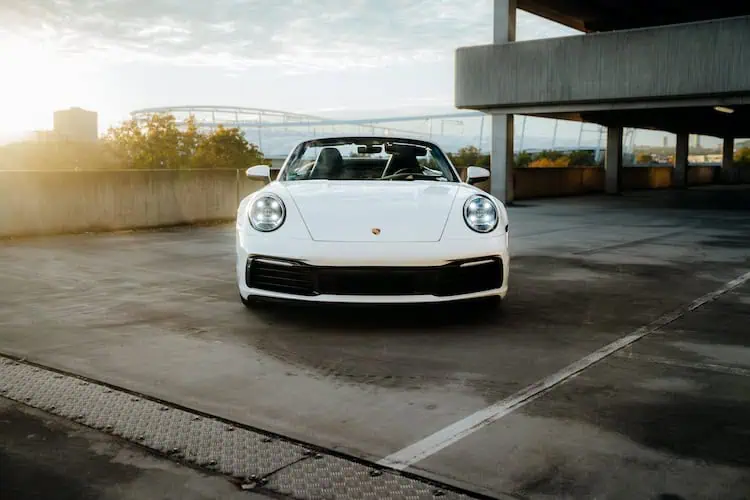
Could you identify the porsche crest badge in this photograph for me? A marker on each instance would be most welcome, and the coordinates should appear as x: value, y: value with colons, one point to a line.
x: 376, y: 231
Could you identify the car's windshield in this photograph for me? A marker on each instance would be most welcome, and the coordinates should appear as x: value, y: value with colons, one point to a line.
x: 368, y: 159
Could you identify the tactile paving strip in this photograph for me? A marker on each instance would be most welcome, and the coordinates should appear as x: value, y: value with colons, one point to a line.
x: 202, y: 441
x: 259, y: 460
x: 338, y: 478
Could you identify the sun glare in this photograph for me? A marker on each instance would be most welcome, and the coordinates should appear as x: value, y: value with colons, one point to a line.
x: 37, y: 79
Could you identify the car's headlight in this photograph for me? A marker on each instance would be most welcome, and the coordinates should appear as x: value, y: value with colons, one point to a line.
x: 267, y: 213
x: 480, y: 214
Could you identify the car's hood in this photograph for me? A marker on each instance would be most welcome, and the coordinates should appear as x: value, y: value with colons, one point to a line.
x: 387, y: 211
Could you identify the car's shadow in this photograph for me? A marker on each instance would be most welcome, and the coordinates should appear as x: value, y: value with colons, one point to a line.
x: 380, y: 317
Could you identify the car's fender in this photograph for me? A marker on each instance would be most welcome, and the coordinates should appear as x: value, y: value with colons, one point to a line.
x: 293, y: 227
x: 455, y: 226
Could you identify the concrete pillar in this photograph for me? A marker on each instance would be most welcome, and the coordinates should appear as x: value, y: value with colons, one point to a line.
x: 680, y: 173
x: 504, y: 21
x: 727, y: 153
x: 501, y: 144
x: 501, y: 158
x: 727, y: 160
x: 613, y: 161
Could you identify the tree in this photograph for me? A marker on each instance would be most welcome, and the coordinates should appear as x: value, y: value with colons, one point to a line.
x: 226, y: 148
x: 523, y: 159
x: 742, y: 156
x: 469, y: 156
x: 190, y: 139
x: 549, y: 154
x: 160, y: 143
x: 581, y: 159
x: 644, y: 159
x: 157, y: 144
x: 544, y: 162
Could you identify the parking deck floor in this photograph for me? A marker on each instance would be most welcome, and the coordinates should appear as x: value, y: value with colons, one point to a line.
x: 505, y: 403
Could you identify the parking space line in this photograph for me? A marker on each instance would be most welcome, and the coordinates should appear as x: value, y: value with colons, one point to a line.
x: 445, y: 437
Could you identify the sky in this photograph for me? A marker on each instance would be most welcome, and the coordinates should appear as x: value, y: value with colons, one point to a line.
x: 336, y: 58
x: 114, y: 56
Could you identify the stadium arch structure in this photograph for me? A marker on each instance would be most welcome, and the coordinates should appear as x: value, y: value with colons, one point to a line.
x: 276, y: 132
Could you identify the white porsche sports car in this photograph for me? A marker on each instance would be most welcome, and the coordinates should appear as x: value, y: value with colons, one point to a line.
x: 371, y: 220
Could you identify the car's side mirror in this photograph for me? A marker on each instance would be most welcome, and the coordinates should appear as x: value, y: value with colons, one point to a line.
x: 475, y: 175
x: 259, y: 172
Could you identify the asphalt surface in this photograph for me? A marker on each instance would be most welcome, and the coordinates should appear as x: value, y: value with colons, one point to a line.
x: 158, y: 313
x: 47, y: 457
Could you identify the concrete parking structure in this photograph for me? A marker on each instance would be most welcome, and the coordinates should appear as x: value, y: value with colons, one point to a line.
x: 654, y: 65
x: 157, y: 313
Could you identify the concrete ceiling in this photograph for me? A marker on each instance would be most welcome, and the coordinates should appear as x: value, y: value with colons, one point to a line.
x: 609, y: 15
x: 704, y: 120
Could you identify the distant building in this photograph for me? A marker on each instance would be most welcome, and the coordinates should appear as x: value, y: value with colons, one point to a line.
x: 76, y: 124
x: 44, y: 136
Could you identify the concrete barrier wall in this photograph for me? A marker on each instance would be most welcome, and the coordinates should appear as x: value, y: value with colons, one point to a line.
x: 735, y: 175
x: 699, y: 176
x: 33, y: 202
x: 545, y: 182
x: 55, y: 202
x: 549, y: 182
x: 646, y: 178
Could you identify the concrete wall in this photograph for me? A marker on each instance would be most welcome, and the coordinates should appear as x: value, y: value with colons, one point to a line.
x: 702, y: 175
x: 550, y: 182
x: 56, y: 202
x: 735, y: 175
x: 624, y: 65
x: 647, y: 177
x: 544, y: 182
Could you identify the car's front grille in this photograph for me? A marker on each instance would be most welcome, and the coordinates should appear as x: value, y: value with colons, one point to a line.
x: 376, y: 281
x: 456, y: 278
x: 279, y: 276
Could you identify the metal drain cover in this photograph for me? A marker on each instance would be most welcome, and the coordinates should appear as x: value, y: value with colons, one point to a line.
x: 262, y: 461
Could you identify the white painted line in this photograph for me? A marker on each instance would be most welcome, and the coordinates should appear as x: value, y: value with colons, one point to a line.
x: 455, y: 432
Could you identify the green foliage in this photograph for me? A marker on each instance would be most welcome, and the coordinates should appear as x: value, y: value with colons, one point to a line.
x: 742, y: 156
x: 469, y: 156
x: 160, y: 143
x: 644, y: 159
x: 581, y: 159
x: 550, y: 158
x: 524, y: 159
x: 226, y: 148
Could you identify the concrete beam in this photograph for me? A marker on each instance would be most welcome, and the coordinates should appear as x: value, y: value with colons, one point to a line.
x: 613, y: 160
x: 680, y: 173
x: 571, y: 110
x: 703, y: 59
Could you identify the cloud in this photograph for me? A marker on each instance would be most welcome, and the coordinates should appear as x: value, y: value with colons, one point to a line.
x: 299, y: 35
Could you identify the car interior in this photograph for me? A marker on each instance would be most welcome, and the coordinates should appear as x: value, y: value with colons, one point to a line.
x: 388, y: 162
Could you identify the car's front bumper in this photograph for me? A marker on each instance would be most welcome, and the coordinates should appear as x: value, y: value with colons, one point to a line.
x: 373, y: 273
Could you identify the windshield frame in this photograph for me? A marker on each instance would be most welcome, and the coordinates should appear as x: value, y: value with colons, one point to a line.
x: 300, y: 149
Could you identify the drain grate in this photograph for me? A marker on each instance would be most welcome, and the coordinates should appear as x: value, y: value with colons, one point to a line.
x: 258, y: 460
